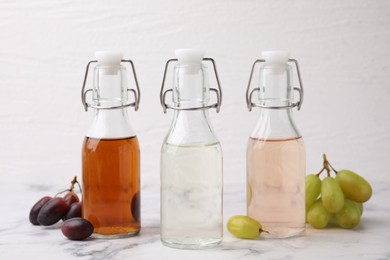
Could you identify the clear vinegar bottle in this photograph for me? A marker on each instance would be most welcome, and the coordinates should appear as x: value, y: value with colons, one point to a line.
x: 110, y: 152
x: 191, y: 159
x: 276, y: 162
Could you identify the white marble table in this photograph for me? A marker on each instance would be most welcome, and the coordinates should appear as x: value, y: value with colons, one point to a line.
x: 21, y: 240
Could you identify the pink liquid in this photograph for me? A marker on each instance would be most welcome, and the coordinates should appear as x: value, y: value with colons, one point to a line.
x: 276, y: 185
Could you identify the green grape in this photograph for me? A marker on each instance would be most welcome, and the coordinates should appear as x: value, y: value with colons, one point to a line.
x: 317, y: 215
x: 244, y: 227
x: 358, y: 205
x: 354, y: 186
x: 349, y: 215
x: 331, y: 194
x: 313, y: 189
x: 248, y: 194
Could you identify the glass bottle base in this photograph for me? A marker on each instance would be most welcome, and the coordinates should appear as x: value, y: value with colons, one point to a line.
x: 282, y: 232
x: 103, y: 236
x: 191, y: 242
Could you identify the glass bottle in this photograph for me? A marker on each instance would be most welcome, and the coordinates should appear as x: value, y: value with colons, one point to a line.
x: 110, y: 152
x: 191, y: 159
x: 276, y: 153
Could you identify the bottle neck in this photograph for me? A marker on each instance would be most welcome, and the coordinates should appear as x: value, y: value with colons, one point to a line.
x: 190, y: 88
x: 110, y: 86
x: 110, y: 124
x: 110, y: 90
x: 276, y: 124
x: 191, y: 128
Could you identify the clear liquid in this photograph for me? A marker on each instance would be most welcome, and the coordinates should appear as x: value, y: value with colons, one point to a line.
x: 191, y: 196
x: 276, y: 185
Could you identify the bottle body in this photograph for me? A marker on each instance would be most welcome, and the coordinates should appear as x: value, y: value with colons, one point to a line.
x: 191, y: 195
x: 191, y: 183
x: 111, y: 176
x: 276, y: 185
x: 111, y: 190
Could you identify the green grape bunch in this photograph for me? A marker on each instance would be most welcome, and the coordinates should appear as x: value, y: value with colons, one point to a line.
x: 340, y: 197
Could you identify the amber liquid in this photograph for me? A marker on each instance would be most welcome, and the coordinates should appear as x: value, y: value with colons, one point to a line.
x: 111, y: 186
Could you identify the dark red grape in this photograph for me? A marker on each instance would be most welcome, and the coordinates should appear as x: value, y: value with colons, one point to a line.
x: 74, y: 211
x: 71, y: 198
x: 36, y: 208
x: 77, y: 228
x: 135, y: 207
x: 52, y: 211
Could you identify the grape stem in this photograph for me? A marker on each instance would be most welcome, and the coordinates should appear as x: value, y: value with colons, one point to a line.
x: 72, y: 183
x: 78, y: 183
x: 328, y: 166
x: 262, y: 230
x: 318, y: 174
x: 335, y: 171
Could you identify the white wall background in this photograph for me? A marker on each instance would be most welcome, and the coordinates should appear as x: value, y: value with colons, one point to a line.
x: 343, y: 48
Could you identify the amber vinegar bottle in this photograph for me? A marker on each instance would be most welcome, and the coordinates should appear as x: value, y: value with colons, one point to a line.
x: 110, y: 152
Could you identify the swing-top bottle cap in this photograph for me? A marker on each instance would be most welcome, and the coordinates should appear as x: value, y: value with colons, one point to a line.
x: 110, y: 60
x: 275, y: 57
x: 191, y: 58
x: 275, y: 61
x: 109, y: 57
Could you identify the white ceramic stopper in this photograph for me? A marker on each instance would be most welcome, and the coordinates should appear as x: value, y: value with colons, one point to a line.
x: 275, y: 57
x: 109, y: 57
x: 110, y: 60
x: 189, y: 56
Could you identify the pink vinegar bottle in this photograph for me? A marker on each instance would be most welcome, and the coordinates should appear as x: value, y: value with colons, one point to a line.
x: 276, y: 152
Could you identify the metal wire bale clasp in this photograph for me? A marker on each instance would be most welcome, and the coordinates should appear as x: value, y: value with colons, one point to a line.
x: 249, y: 93
x: 218, y: 91
x: 137, y: 93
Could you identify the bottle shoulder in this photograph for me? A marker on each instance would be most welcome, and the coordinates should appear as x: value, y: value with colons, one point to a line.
x: 110, y: 124
x: 180, y: 138
x: 194, y: 151
x: 275, y: 125
x: 191, y: 129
